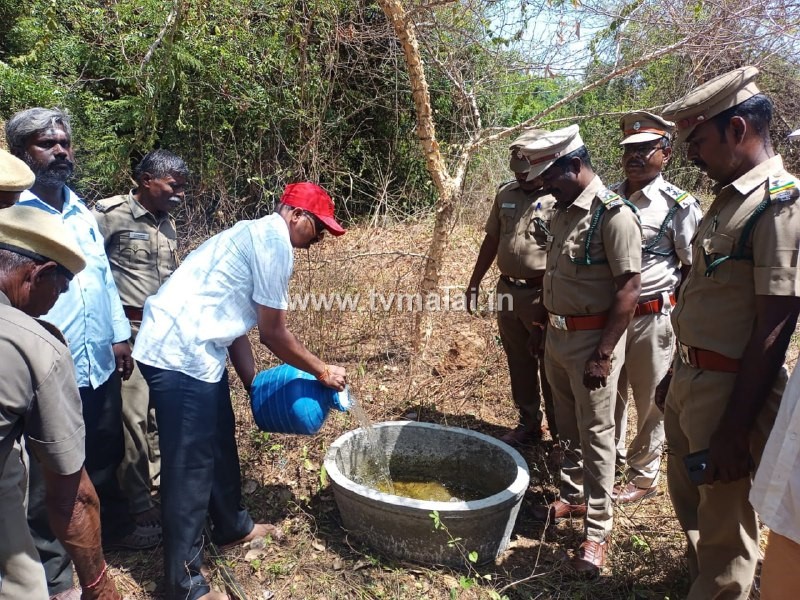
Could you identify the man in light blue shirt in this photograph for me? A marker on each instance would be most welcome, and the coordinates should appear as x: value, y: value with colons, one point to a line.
x: 92, y: 319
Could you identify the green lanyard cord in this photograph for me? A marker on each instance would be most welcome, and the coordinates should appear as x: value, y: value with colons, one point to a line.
x: 649, y: 247
x: 738, y: 253
x: 587, y: 260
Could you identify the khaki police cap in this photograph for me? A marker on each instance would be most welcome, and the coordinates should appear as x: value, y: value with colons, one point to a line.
x: 711, y: 98
x: 15, y: 175
x: 40, y: 235
x: 518, y: 163
x: 548, y: 146
x: 642, y: 126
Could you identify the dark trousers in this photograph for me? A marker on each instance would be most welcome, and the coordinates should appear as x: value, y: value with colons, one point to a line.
x: 102, y: 416
x: 199, y: 474
x: 55, y: 560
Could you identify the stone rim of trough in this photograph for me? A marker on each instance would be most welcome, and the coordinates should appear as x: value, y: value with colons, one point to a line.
x: 512, y: 492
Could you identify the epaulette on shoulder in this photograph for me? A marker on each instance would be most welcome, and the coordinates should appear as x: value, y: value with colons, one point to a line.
x: 106, y: 204
x: 679, y: 196
x: 783, y: 188
x: 610, y: 199
x: 507, y: 184
x: 52, y: 330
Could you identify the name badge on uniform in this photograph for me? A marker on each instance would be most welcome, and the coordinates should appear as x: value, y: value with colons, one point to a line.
x: 508, y: 205
x: 137, y: 235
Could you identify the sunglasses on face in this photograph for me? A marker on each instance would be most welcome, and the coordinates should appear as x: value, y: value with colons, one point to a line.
x: 319, y: 226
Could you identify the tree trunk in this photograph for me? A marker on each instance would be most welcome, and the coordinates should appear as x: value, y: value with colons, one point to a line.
x: 446, y: 186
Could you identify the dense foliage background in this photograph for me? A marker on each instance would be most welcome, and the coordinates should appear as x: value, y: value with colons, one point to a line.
x: 255, y: 94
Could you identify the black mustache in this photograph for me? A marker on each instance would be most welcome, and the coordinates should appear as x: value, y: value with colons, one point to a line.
x: 62, y: 162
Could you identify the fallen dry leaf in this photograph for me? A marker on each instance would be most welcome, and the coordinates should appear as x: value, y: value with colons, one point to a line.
x: 254, y: 554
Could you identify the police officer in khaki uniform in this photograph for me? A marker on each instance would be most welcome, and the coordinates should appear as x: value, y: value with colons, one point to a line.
x: 40, y: 402
x: 735, y: 316
x: 591, y: 287
x: 516, y: 233
x: 15, y: 178
x: 669, y: 218
x: 141, y: 244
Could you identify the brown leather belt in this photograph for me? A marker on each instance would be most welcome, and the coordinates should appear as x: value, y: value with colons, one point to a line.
x: 652, y: 307
x: 708, y: 359
x: 578, y: 323
x: 530, y: 282
x: 133, y: 313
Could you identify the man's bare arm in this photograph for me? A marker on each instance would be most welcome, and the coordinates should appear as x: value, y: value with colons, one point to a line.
x: 241, y: 355
x: 274, y: 334
x: 776, y: 318
x: 598, y: 367
x: 73, y: 510
x: 486, y: 256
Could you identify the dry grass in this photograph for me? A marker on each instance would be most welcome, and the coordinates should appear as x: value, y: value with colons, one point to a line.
x: 283, y: 483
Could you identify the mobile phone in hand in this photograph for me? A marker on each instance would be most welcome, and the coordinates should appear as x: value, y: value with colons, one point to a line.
x: 696, y: 465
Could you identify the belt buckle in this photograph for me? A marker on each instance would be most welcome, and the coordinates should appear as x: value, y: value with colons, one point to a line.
x: 558, y: 321
x: 683, y: 352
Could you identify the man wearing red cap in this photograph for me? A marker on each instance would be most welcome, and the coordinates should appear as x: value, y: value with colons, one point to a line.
x: 234, y: 281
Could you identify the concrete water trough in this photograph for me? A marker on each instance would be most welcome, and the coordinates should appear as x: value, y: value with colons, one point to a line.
x: 403, y: 527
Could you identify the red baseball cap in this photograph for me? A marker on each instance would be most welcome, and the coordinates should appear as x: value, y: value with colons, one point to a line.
x: 309, y: 196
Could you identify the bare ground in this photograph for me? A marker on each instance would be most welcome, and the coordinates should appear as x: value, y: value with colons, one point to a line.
x: 460, y: 378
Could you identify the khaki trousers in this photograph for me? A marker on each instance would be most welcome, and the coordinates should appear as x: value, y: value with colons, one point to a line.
x: 780, y: 575
x: 585, y: 421
x: 648, y: 354
x: 514, y: 323
x: 720, y: 524
x: 21, y: 572
x: 141, y: 464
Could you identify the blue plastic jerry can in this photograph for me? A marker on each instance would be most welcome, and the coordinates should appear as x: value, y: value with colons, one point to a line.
x: 287, y: 400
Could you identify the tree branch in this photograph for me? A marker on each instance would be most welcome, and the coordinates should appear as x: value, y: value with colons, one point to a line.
x: 535, y: 120
x: 172, y: 18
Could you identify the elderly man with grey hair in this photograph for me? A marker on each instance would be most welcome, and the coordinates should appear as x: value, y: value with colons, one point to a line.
x: 91, y: 317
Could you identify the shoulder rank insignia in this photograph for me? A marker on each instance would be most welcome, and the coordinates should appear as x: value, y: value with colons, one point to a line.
x: 505, y: 183
x: 783, y: 188
x: 609, y: 198
x: 108, y: 203
x: 680, y: 197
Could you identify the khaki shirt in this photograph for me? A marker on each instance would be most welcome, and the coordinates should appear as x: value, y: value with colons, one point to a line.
x: 39, y: 397
x: 141, y: 248
x: 718, y: 312
x: 615, y: 248
x: 519, y: 220
x: 662, y: 273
